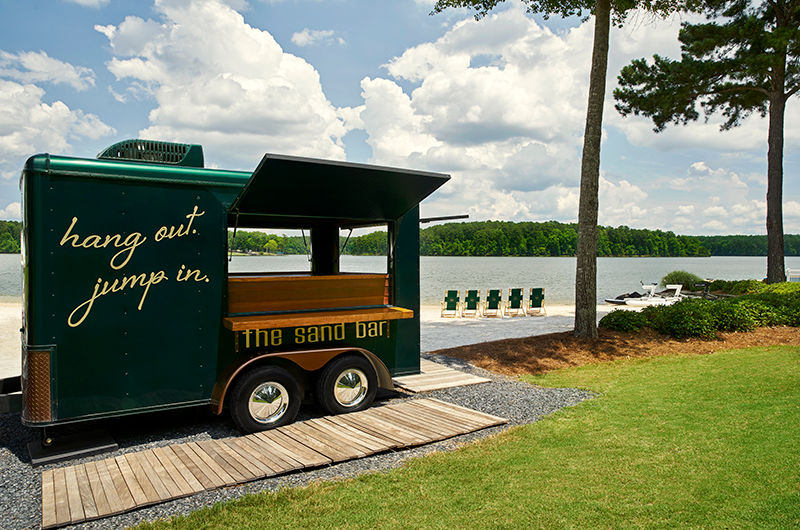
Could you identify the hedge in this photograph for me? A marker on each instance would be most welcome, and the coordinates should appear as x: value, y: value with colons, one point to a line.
x: 769, y: 305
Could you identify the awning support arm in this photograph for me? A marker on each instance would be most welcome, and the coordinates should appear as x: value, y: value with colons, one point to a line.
x: 235, y: 227
x: 305, y: 245
x: 341, y: 250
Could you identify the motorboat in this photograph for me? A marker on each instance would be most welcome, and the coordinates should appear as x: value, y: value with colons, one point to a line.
x: 651, y: 298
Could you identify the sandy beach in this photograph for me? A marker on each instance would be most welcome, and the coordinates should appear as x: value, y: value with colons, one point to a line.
x: 436, y: 332
x: 10, y: 348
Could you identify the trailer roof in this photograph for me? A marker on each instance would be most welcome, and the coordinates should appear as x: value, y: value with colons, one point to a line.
x: 133, y: 171
x: 286, y: 186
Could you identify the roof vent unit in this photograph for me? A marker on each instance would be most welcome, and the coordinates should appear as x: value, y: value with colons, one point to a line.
x: 151, y: 152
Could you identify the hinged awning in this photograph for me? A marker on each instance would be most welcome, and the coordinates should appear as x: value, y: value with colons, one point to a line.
x: 285, y: 186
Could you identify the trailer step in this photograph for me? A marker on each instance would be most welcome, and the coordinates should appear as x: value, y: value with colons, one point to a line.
x: 126, y: 482
x: 72, y: 446
x: 434, y: 376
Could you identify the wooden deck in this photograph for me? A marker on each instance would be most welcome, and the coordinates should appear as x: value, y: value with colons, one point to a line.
x: 434, y: 376
x: 120, y: 484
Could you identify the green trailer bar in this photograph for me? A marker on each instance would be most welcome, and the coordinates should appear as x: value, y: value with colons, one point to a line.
x: 129, y: 305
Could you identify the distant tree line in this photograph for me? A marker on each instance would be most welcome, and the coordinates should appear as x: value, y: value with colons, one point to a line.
x: 747, y: 245
x: 372, y: 244
x: 10, y: 236
x: 506, y: 238
x: 503, y: 238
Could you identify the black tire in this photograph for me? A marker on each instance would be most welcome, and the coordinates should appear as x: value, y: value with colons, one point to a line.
x: 263, y: 398
x: 347, y: 384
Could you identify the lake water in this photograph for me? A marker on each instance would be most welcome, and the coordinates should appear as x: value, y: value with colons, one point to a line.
x: 438, y: 274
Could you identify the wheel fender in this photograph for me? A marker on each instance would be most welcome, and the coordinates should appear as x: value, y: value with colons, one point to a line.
x: 308, y: 360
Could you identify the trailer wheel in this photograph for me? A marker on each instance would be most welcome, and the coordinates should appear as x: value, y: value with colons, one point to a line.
x: 263, y: 398
x: 347, y: 384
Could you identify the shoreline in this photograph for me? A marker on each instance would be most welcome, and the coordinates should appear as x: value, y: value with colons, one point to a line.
x: 436, y: 333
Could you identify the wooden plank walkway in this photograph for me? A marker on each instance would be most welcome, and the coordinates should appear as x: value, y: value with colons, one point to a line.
x: 434, y: 376
x: 126, y: 482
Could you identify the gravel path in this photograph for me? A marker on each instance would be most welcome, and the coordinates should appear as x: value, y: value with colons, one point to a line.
x: 20, y: 484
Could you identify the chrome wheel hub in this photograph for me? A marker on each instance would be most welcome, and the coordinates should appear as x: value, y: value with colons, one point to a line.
x: 351, y: 387
x: 268, y: 402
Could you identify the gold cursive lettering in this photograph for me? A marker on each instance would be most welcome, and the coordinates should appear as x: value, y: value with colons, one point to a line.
x: 102, y: 288
x: 94, y: 241
x: 184, y: 275
x: 172, y: 232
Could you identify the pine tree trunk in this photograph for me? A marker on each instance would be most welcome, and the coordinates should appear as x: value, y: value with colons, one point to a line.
x: 586, y: 271
x: 775, y: 262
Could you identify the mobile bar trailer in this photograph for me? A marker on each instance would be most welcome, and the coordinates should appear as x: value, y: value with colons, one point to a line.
x: 129, y: 305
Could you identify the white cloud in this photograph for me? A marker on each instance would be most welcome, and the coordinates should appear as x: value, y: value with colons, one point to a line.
x: 791, y: 209
x: 715, y: 177
x: 686, y: 209
x: 749, y: 214
x: 715, y: 211
x: 682, y: 184
x: 310, y: 37
x: 485, y: 111
x: 223, y: 83
x: 28, y: 125
x: 38, y: 67
x: 622, y: 204
x: 500, y: 105
x: 90, y: 3
x: 683, y: 224
x: 12, y: 212
x: 716, y: 226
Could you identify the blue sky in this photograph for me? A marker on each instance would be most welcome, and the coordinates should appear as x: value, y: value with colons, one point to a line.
x: 498, y: 104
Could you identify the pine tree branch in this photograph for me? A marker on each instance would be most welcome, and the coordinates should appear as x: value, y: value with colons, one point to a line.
x: 792, y: 8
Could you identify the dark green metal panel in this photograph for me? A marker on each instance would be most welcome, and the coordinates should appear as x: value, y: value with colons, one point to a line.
x: 406, y: 293
x: 304, y: 187
x: 126, y: 276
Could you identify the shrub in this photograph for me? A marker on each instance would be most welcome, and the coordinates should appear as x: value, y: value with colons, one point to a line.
x: 765, y: 305
x: 739, y: 287
x: 782, y: 288
x: 687, y: 318
x: 762, y: 313
x: 623, y: 320
x: 722, y: 285
x: 687, y: 279
x: 729, y: 316
x: 747, y: 287
x: 775, y: 305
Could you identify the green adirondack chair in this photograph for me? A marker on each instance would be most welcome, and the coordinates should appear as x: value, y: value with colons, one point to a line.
x: 450, y: 305
x: 514, y: 305
x: 494, y: 303
x: 536, y: 301
x: 472, y: 303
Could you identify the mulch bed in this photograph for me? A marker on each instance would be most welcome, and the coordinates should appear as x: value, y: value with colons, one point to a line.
x: 543, y: 353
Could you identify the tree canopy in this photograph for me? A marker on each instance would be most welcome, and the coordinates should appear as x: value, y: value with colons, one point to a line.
x: 746, y: 62
x: 10, y: 236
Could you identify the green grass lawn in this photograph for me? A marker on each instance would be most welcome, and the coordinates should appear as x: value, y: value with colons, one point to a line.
x: 672, y: 442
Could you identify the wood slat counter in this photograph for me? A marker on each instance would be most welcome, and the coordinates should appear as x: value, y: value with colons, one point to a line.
x: 269, y: 293
x: 288, y: 320
x: 283, y: 301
